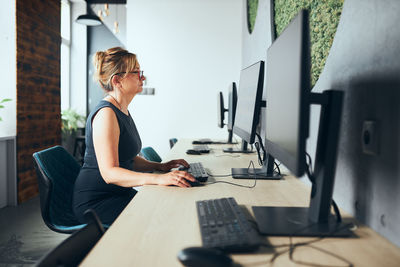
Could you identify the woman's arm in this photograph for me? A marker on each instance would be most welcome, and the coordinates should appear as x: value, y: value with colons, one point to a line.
x: 105, y: 140
x: 143, y: 165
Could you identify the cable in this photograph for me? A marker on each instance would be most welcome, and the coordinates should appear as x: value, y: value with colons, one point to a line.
x: 260, y: 160
x: 219, y: 175
x: 309, y: 162
x: 292, y: 247
x: 227, y: 155
x: 337, y: 212
x: 312, y: 179
x: 225, y: 182
x: 262, y: 147
x: 277, y: 167
x: 309, y: 171
x: 245, y: 186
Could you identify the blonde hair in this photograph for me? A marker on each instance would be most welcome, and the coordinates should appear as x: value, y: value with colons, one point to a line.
x: 111, y: 62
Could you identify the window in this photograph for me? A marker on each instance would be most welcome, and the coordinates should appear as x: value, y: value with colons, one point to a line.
x: 65, y: 53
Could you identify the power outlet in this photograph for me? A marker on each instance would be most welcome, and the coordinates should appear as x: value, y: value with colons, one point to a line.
x: 370, y: 138
x: 148, y: 91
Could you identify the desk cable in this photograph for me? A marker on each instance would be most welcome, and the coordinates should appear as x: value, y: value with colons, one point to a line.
x: 311, y: 177
x: 227, y: 155
x: 292, y: 247
x: 262, y: 159
x: 240, y: 185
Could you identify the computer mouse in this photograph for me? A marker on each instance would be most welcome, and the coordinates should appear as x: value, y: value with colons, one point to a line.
x: 195, y: 183
x: 183, y: 168
x: 193, y: 152
x: 200, y: 256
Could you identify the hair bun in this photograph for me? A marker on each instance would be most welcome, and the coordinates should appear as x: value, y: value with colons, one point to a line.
x: 108, y: 63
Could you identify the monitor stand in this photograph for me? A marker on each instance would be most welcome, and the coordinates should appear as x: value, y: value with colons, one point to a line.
x: 243, y: 149
x: 208, y: 141
x: 265, y: 173
x: 295, y: 221
x: 230, y: 137
x: 315, y: 220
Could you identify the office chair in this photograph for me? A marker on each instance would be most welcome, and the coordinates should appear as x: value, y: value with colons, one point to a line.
x: 150, y: 154
x: 57, y: 171
x: 172, y: 142
x: 74, y: 249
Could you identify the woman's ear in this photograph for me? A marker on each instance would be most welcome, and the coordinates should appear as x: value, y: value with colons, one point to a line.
x: 115, y: 81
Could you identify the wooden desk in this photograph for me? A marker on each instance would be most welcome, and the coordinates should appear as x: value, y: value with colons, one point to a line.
x: 160, y: 221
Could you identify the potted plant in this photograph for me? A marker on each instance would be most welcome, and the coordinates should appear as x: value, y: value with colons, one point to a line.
x: 1, y: 104
x: 71, y: 122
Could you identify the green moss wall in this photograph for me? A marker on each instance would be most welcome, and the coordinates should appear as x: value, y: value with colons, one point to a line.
x: 324, y: 18
x: 252, y: 6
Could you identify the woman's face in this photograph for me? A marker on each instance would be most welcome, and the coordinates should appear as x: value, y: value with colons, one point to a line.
x: 132, y: 83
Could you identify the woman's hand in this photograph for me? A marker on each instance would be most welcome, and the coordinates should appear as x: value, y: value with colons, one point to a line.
x: 166, y: 167
x: 178, y: 178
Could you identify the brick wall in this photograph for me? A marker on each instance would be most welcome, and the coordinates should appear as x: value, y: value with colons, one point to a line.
x: 38, y: 86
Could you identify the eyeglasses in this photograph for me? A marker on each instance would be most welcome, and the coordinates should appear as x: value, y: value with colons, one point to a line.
x: 138, y: 72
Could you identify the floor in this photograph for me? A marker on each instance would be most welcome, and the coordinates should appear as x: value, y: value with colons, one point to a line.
x: 24, y: 237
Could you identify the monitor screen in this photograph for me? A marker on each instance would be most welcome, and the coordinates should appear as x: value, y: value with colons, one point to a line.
x: 288, y: 89
x: 249, y: 101
x: 232, y: 102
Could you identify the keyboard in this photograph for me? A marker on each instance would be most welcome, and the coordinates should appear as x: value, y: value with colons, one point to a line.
x: 204, y: 141
x: 224, y: 226
x: 197, y: 171
x: 202, y: 148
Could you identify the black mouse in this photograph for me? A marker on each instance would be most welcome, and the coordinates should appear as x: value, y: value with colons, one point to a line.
x: 200, y: 256
x: 183, y: 168
x: 193, y: 152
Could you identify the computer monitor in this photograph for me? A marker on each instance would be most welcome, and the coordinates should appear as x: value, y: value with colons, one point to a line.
x: 249, y: 101
x: 287, y: 123
x: 221, y: 110
x: 248, y: 105
x: 232, y: 99
x: 232, y: 102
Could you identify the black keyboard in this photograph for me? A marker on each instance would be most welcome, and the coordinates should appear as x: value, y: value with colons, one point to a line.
x: 202, y: 148
x: 224, y: 226
x: 204, y: 141
x: 197, y: 171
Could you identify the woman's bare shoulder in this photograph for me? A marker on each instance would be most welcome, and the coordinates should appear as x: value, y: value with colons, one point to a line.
x: 105, y: 115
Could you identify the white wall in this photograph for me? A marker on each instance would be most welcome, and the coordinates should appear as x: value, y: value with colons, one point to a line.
x: 78, y: 69
x: 189, y: 50
x: 117, y: 12
x: 8, y: 72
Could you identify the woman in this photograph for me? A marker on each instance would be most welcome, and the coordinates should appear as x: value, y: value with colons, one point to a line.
x: 111, y: 163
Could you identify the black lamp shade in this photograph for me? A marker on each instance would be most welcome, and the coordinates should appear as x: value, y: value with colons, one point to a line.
x: 89, y: 20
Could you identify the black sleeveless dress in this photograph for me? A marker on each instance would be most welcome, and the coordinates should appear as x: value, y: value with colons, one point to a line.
x: 91, y: 191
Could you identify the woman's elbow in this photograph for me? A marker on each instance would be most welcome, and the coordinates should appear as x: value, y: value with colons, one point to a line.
x: 107, y: 175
